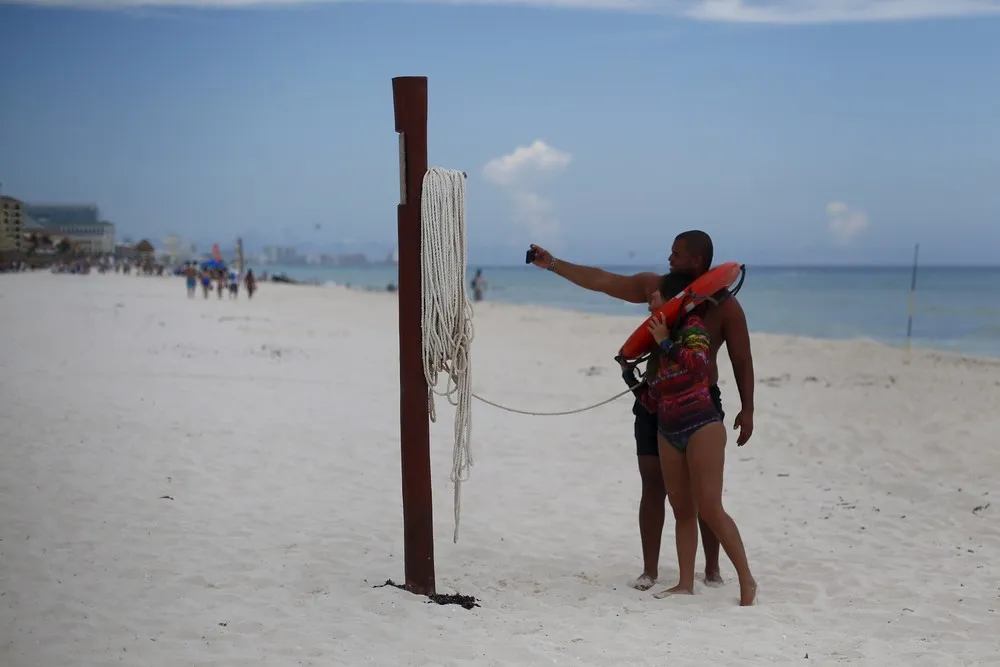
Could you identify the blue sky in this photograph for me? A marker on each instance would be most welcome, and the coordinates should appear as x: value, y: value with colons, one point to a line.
x: 840, y: 135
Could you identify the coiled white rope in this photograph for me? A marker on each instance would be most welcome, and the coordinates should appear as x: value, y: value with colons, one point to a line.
x: 446, y: 312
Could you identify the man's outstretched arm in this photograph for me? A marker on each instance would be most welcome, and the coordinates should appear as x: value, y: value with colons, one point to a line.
x: 637, y: 288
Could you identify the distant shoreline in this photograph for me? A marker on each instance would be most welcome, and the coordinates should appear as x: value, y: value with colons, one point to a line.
x: 522, y: 307
x: 648, y: 267
x: 918, y: 344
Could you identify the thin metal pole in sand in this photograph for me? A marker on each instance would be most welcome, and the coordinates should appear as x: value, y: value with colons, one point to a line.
x: 913, y: 294
x: 409, y: 98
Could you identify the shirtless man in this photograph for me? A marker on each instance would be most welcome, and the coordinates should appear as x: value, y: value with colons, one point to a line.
x: 692, y: 251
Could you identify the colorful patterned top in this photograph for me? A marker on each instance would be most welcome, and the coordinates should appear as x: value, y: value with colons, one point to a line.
x: 678, y: 392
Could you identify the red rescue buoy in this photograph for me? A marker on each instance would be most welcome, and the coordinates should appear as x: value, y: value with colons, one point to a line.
x: 706, y: 286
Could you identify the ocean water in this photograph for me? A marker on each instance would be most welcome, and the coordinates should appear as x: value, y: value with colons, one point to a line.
x: 956, y: 309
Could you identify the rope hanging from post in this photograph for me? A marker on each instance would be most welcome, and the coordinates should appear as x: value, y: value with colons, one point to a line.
x: 446, y: 312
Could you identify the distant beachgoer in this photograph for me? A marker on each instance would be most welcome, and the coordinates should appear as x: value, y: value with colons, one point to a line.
x: 478, y: 285
x: 251, y: 283
x: 234, y: 284
x: 692, y: 252
x: 206, y: 281
x: 690, y: 435
x: 220, y: 282
x: 191, y: 280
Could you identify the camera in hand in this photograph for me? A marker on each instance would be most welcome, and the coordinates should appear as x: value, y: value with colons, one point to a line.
x: 529, y: 257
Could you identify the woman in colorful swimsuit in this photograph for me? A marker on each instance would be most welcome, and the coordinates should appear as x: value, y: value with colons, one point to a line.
x: 692, y: 438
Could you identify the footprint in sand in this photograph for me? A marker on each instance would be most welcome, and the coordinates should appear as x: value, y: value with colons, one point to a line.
x: 775, y: 381
x: 274, y: 352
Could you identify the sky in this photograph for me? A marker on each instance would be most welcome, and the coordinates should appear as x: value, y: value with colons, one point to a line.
x: 793, y: 131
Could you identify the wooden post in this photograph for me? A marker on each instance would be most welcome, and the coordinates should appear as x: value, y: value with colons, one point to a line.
x: 409, y: 97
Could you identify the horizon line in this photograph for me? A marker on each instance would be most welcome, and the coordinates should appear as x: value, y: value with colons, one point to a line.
x: 750, y: 265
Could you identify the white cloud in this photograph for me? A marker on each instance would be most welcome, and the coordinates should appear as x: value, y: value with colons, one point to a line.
x: 844, y: 222
x: 526, y: 163
x: 728, y: 11
x: 836, y: 11
x: 520, y: 173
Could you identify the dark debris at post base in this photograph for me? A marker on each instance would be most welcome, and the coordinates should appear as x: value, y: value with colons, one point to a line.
x: 464, y: 601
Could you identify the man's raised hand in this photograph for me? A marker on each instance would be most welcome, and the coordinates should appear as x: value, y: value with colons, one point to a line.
x: 543, y: 258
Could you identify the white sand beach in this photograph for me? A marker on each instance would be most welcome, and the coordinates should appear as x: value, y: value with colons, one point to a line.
x: 205, y: 482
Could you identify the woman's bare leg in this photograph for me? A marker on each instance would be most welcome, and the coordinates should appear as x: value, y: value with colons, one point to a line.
x: 706, y: 457
x: 675, y: 477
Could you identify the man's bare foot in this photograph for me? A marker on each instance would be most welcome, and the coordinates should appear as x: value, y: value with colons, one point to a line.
x: 644, y: 582
x: 676, y: 590
x: 748, y: 594
x: 713, y: 578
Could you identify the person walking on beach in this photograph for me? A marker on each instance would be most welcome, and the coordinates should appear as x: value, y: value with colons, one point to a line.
x: 234, y: 284
x: 690, y: 436
x: 692, y: 252
x: 190, y: 277
x: 206, y: 281
x: 478, y: 285
x: 251, y: 283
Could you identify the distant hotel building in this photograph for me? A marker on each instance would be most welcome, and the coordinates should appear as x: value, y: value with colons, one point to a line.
x: 80, y: 223
x: 282, y: 255
x: 11, y: 224
x: 54, y: 215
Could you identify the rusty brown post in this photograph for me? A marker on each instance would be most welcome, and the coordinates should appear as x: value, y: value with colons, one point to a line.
x: 409, y: 98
